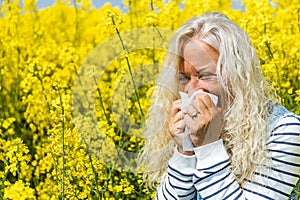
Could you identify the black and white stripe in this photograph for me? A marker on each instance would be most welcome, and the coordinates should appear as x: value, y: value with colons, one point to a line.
x: 210, y: 175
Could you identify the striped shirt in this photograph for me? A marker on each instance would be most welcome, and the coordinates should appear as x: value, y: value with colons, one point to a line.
x: 207, y: 173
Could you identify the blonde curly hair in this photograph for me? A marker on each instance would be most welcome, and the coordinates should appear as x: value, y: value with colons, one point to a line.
x: 247, y: 96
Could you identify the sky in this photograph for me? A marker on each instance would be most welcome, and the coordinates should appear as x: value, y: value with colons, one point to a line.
x: 96, y: 3
x: 236, y: 4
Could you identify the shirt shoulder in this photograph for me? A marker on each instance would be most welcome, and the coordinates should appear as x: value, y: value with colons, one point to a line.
x: 280, y: 117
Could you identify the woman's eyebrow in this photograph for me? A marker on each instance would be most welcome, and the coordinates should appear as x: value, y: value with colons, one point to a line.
x: 183, y: 74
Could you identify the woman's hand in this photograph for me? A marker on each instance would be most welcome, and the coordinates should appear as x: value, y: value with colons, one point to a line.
x: 204, y: 120
x: 177, y: 126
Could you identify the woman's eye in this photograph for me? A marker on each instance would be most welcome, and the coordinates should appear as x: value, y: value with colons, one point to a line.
x: 206, y: 76
x: 184, y: 79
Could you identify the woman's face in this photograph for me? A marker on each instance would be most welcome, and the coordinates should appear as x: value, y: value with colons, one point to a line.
x: 198, y: 70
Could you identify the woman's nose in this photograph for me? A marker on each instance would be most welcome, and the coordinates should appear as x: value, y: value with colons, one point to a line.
x: 195, y: 84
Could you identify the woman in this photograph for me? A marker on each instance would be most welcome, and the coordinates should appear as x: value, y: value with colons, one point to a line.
x: 244, y: 146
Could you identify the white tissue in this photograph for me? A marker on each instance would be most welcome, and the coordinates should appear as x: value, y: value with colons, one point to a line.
x: 185, y: 101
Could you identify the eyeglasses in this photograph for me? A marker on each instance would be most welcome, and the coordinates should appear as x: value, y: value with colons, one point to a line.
x: 205, y: 76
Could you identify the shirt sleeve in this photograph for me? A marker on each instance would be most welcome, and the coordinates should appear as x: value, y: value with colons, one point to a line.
x: 275, y: 180
x: 280, y: 175
x: 179, y: 180
x: 212, y: 176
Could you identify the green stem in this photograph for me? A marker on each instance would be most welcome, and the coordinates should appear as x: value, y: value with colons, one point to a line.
x: 271, y: 56
x: 129, y: 68
x: 63, y: 143
x: 43, y: 88
x: 101, y: 101
x: 95, y: 176
x: 152, y: 6
x: 159, y: 33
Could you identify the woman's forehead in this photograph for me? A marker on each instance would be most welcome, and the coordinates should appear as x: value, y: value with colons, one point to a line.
x: 199, y: 55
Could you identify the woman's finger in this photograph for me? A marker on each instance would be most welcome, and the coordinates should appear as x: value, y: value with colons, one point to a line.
x: 176, y: 107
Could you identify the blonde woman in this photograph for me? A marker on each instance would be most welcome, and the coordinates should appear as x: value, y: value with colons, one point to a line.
x: 244, y: 145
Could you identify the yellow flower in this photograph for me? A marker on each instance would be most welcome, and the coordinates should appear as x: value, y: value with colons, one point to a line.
x: 290, y: 90
x: 8, y: 122
x: 19, y: 191
x: 42, y: 53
